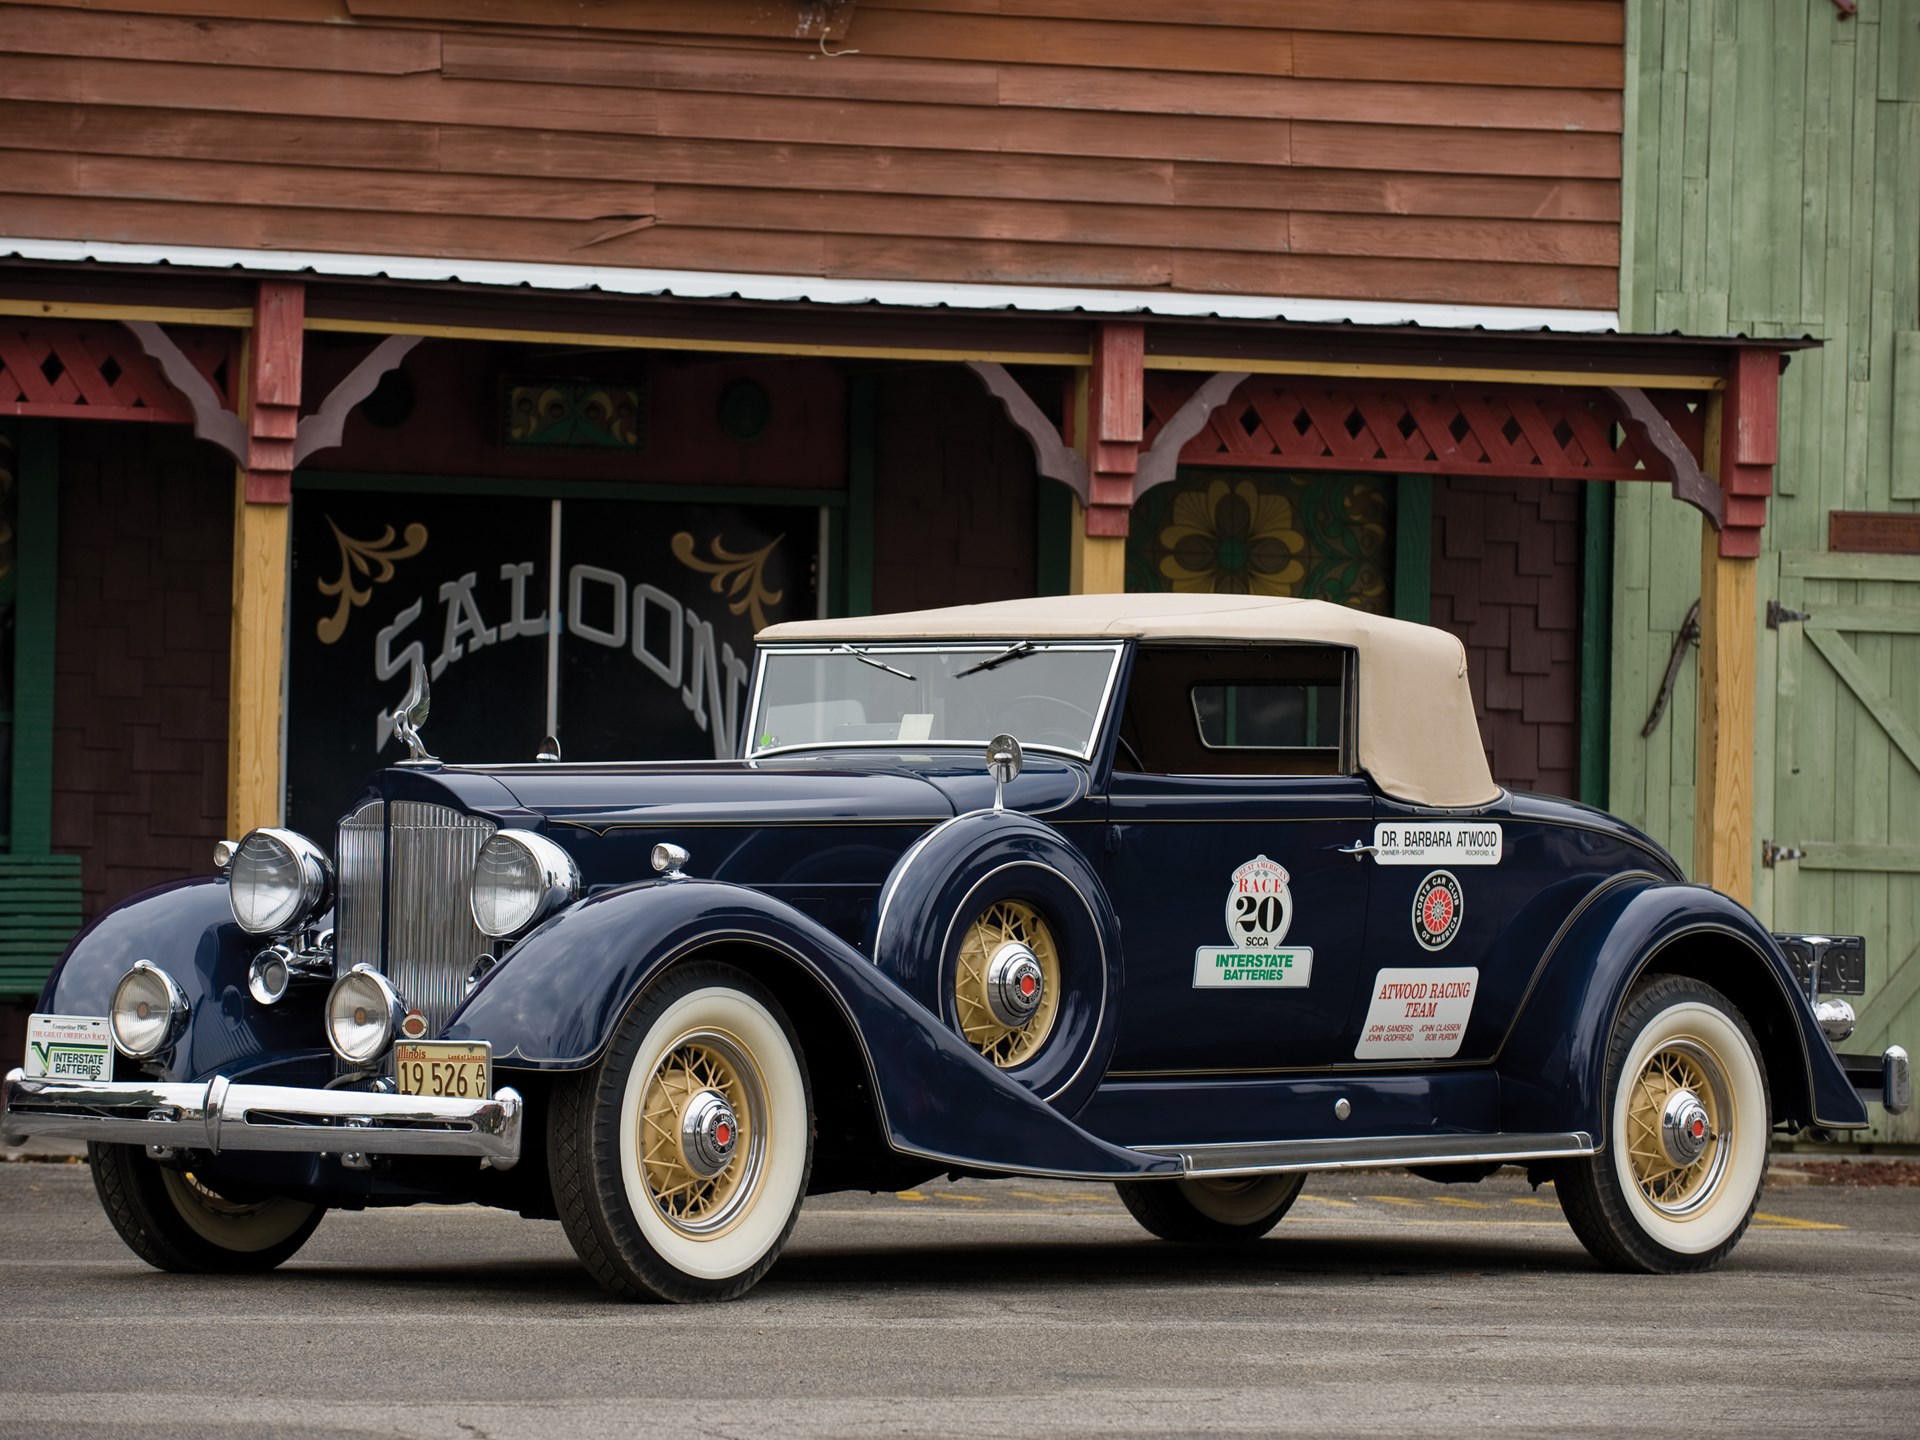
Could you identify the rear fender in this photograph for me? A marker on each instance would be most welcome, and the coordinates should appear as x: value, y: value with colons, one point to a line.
x: 187, y: 929
x: 555, y: 1002
x: 1553, y: 1065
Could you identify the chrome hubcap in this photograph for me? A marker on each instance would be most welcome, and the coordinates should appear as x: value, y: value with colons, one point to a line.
x: 1684, y: 1128
x: 708, y: 1134
x: 1015, y: 984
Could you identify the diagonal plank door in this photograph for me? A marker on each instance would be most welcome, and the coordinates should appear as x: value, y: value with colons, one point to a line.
x: 1847, y: 779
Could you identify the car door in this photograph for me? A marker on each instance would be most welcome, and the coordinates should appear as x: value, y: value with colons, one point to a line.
x: 1242, y: 903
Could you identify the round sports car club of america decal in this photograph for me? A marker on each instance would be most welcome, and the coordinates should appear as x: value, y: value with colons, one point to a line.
x: 1437, y: 908
x: 1259, y: 914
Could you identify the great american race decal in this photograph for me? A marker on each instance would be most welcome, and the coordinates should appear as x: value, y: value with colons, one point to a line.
x: 1417, y: 1013
x: 1259, y: 914
x: 68, y: 1047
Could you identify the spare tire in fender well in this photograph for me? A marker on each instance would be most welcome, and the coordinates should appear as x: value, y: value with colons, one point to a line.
x: 962, y: 868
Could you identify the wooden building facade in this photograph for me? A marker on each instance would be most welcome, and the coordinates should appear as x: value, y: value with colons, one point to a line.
x: 558, y: 347
x: 1773, y: 188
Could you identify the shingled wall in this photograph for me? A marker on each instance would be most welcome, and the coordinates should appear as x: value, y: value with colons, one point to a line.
x: 1506, y: 580
x: 140, y: 697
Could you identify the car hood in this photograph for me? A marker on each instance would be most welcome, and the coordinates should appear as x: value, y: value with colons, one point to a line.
x: 797, y: 790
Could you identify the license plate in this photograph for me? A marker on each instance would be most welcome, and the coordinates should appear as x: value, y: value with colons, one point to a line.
x: 445, y: 1069
x: 68, y: 1047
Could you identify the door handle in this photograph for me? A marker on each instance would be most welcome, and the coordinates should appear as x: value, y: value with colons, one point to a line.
x: 1359, y: 849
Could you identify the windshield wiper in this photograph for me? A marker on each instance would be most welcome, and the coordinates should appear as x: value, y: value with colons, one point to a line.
x: 1012, y: 652
x: 866, y: 659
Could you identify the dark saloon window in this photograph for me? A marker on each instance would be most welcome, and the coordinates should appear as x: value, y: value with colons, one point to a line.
x: 1272, y: 710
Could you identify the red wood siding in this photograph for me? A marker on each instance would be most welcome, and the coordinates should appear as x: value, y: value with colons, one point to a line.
x: 141, y: 636
x: 954, y: 494
x: 1361, y: 149
x: 1506, y: 580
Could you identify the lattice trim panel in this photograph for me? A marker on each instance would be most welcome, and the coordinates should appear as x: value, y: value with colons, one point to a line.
x: 79, y: 371
x: 1415, y: 427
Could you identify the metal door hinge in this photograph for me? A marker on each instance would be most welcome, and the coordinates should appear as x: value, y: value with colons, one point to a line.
x: 1771, y: 853
x: 1778, y: 615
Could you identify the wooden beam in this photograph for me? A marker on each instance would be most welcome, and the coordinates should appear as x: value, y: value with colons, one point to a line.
x: 1096, y: 564
x: 1723, y: 853
x: 1476, y: 374
x: 229, y: 319
x: 254, y: 708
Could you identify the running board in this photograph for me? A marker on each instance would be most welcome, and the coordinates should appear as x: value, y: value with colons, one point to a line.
x: 1375, y: 1152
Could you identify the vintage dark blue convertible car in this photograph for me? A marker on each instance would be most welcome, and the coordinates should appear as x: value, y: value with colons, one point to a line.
x: 1240, y: 902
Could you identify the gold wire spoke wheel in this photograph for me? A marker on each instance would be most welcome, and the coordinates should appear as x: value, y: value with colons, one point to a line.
x: 1673, y: 1187
x: 705, y: 1061
x: 1001, y: 923
x: 246, y: 1226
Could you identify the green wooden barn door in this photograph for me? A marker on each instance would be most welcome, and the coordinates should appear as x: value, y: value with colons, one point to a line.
x: 1847, y: 779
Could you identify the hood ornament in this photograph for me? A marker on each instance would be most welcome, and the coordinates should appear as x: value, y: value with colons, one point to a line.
x: 412, y: 714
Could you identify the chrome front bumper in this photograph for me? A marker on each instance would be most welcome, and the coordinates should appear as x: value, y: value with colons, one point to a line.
x: 219, y: 1115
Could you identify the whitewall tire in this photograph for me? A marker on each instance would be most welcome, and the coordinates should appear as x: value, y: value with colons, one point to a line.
x: 1211, y: 1211
x: 680, y: 1162
x: 177, y: 1220
x: 1688, y: 1125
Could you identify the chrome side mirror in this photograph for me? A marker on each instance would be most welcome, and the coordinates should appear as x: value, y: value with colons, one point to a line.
x: 1004, y: 759
x: 549, y: 751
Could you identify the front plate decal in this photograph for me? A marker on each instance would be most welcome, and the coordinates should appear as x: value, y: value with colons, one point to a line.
x: 1259, y: 914
x: 1417, y: 1014
x: 1402, y: 844
x: 68, y: 1047
x: 1438, y: 907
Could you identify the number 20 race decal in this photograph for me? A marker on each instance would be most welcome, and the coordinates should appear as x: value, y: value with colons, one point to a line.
x: 1417, y: 1014
x: 1259, y: 912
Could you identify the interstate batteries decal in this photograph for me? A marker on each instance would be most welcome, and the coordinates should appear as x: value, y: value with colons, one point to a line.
x: 1423, y: 844
x: 68, y: 1047
x: 1417, y: 1013
x: 1259, y: 914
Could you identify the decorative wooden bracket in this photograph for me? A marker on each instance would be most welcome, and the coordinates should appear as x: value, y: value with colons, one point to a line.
x: 1116, y: 470
x: 273, y: 440
x: 1690, y: 482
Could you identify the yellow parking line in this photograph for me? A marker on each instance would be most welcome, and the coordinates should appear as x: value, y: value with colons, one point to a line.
x: 1789, y: 1222
x: 1043, y: 1199
x: 1532, y: 1200
x: 969, y: 1199
x: 1328, y: 1200
x: 908, y: 1195
x: 1462, y: 1203
x: 1396, y: 1200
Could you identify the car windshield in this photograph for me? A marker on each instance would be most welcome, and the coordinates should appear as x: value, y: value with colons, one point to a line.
x: 1047, y: 696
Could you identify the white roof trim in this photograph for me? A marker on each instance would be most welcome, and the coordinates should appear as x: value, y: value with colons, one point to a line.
x: 708, y: 285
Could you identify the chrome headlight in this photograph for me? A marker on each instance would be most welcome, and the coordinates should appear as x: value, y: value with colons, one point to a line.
x: 277, y: 880
x: 149, y: 1012
x: 519, y: 878
x: 363, y: 1015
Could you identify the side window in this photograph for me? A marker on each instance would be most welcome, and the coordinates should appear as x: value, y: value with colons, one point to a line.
x: 1274, y: 710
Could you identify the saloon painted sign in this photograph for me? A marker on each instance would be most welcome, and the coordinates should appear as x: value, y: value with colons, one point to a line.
x: 624, y: 627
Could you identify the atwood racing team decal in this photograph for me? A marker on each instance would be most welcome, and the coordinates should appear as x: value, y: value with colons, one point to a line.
x: 1259, y: 913
x: 1417, y: 1013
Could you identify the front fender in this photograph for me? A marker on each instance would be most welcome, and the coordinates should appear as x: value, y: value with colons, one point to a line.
x: 1553, y: 1064
x: 555, y: 1002
x: 187, y: 929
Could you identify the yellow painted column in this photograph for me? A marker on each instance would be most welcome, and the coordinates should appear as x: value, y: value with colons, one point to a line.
x: 254, y: 707
x: 1098, y: 563
x: 1723, y: 852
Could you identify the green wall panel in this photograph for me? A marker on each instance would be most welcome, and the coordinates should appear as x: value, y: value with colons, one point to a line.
x: 1772, y: 187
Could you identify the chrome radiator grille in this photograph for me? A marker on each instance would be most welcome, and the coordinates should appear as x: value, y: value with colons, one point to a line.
x: 360, y: 860
x: 430, y: 937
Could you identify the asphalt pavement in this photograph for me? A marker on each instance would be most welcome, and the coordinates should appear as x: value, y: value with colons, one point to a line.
x: 1383, y: 1305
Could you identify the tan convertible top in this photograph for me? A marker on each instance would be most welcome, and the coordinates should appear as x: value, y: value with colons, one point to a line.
x: 1418, y: 736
